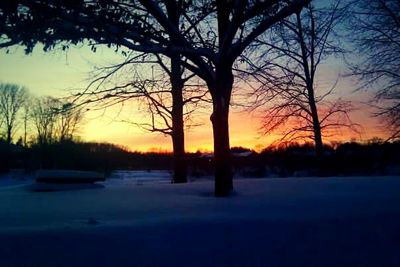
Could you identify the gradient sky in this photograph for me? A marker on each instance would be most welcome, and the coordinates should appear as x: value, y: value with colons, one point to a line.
x: 56, y: 73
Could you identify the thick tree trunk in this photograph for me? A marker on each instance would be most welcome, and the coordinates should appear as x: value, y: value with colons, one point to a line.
x: 220, y: 121
x: 178, y: 136
x: 177, y: 83
x: 9, y: 130
x: 319, y: 149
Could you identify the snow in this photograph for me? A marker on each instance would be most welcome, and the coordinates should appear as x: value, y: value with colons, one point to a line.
x: 349, y: 221
x: 15, y: 180
x: 72, y: 176
x: 128, y: 177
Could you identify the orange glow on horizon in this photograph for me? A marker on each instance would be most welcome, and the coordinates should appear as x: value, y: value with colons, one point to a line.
x: 55, y: 73
x: 244, y: 131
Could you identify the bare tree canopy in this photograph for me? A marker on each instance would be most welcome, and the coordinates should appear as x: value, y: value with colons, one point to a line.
x: 375, y: 31
x: 287, y: 70
x: 70, y: 119
x: 161, y: 88
x: 12, y: 99
x: 44, y: 119
x: 54, y: 120
x: 144, y: 80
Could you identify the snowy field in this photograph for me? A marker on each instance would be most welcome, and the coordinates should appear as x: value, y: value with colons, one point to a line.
x: 350, y: 221
x: 139, y: 177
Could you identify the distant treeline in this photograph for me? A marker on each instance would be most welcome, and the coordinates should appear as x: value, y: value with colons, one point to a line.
x: 70, y: 154
x: 375, y: 158
x: 347, y: 159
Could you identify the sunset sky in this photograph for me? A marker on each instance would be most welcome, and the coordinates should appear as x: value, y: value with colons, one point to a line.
x: 56, y: 73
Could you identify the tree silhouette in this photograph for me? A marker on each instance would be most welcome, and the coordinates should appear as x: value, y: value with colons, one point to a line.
x: 26, y: 119
x: 211, y: 36
x: 287, y: 73
x: 12, y: 99
x: 44, y: 117
x: 55, y: 120
x: 160, y: 92
x: 69, y: 120
x: 375, y: 31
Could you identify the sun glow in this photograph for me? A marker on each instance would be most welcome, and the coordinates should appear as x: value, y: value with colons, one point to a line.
x: 58, y: 73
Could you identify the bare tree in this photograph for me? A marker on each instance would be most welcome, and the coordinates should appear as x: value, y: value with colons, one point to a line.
x: 54, y: 120
x: 287, y: 72
x: 25, y: 119
x: 211, y: 36
x: 174, y: 13
x: 147, y: 81
x: 12, y: 98
x: 161, y: 92
x: 375, y: 31
x: 69, y: 119
x: 44, y: 117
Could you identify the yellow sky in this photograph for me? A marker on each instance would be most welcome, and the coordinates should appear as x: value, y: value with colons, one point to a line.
x: 55, y: 73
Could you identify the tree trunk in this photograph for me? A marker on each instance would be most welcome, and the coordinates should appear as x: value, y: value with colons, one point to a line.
x: 178, y: 135
x: 319, y: 149
x: 177, y: 83
x: 8, y: 156
x: 220, y: 121
x: 25, y: 132
x: 9, y: 130
x: 309, y: 76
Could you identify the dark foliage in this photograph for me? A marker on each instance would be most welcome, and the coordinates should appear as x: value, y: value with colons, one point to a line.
x: 348, y: 159
x: 100, y: 157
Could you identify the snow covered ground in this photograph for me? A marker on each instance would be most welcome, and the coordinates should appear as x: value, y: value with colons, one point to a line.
x: 350, y: 221
x: 15, y: 180
x: 128, y: 177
